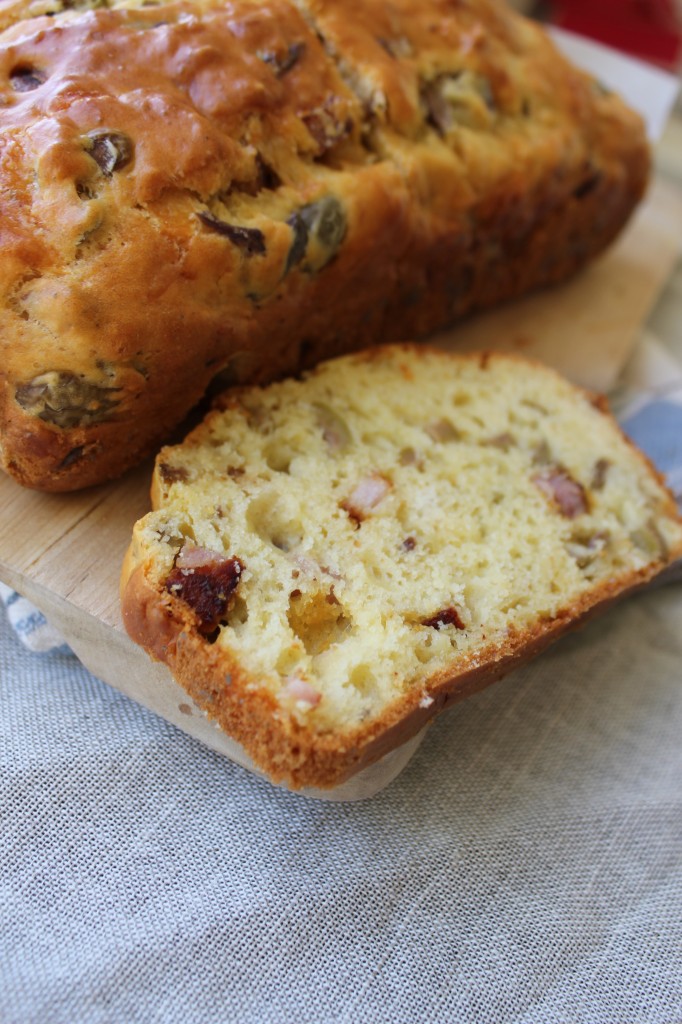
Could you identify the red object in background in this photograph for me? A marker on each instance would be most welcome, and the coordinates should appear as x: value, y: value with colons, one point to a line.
x: 649, y: 29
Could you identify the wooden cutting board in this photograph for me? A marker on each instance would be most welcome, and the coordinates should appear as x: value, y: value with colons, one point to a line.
x: 64, y: 552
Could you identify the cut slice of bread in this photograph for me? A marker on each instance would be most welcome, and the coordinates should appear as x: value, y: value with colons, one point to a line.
x: 333, y: 560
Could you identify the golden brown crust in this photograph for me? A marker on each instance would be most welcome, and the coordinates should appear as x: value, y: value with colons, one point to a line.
x: 157, y: 170
x: 281, y: 746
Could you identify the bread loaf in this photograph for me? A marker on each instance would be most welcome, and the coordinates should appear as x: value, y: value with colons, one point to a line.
x: 244, y: 187
x: 331, y: 561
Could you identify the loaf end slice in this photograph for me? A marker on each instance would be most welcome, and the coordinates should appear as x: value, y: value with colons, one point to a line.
x: 333, y: 560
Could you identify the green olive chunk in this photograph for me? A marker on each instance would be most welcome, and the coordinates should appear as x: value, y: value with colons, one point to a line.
x: 318, y: 229
x: 462, y: 99
x: 66, y: 400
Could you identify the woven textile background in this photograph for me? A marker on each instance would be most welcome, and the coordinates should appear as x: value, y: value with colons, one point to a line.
x: 526, y: 867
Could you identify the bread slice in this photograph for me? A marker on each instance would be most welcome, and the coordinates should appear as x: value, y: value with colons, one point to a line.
x: 332, y: 560
x: 198, y: 188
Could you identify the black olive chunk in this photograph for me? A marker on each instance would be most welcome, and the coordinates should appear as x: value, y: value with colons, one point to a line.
x: 281, y: 63
x: 26, y: 79
x: 249, y: 240
x: 110, y: 150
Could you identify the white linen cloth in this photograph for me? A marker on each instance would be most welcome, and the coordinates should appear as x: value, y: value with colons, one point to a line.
x: 30, y: 625
x: 526, y: 867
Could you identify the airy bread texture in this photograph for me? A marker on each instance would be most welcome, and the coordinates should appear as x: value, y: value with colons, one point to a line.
x: 243, y: 187
x: 334, y: 559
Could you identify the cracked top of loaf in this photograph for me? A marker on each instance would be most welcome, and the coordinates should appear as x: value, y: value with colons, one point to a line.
x: 244, y: 187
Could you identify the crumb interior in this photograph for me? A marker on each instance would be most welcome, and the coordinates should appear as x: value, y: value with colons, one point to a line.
x: 394, y: 520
